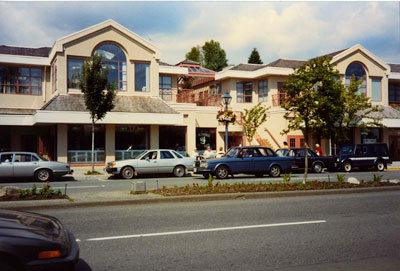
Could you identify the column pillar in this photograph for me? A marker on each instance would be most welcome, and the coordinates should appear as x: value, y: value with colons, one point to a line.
x: 62, y: 142
x: 110, y: 143
x: 154, y: 137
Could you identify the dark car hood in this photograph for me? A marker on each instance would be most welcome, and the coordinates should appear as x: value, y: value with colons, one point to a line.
x: 18, y: 224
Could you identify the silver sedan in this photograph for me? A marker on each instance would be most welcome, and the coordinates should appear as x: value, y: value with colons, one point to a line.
x: 29, y: 164
x: 152, y: 161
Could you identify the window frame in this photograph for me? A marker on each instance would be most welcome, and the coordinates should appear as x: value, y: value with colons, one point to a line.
x: 243, y: 95
x: 17, y: 79
x: 380, y: 89
x: 145, y: 63
x: 263, y: 96
x: 347, y: 79
x: 54, y: 76
x: 68, y: 73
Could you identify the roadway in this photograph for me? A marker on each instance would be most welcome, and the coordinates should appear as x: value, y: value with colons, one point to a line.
x: 332, y: 232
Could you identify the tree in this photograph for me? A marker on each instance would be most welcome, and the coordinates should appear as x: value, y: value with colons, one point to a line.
x: 254, y: 57
x: 210, y: 55
x: 252, y: 119
x: 99, y: 94
x: 195, y: 54
x: 312, y: 99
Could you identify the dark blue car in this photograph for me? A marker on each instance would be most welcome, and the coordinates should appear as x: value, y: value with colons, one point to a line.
x: 247, y: 160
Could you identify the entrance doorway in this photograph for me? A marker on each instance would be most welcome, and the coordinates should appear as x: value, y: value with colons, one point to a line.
x: 394, y: 147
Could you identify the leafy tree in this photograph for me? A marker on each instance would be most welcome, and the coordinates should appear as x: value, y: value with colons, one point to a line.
x: 214, y: 56
x: 252, y: 119
x: 254, y: 57
x: 357, y: 111
x: 99, y: 94
x: 195, y: 54
x: 210, y: 55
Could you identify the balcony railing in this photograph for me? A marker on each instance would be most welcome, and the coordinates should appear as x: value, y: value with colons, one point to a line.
x: 190, y: 96
x: 278, y: 99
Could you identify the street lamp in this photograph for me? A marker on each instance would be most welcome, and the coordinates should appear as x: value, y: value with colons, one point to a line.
x: 226, y: 99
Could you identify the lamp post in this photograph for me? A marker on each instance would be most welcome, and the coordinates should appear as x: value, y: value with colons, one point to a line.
x: 226, y: 98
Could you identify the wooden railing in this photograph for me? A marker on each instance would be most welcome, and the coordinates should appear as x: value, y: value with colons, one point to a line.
x: 189, y: 96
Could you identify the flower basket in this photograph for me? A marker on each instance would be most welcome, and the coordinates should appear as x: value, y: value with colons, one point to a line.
x: 226, y: 116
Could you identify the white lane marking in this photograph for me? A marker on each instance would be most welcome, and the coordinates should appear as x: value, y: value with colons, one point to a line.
x: 205, y: 230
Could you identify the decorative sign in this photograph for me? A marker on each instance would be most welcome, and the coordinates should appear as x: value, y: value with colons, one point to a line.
x: 226, y: 116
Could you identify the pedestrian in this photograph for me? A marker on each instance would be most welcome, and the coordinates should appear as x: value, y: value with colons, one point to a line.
x: 220, y: 153
x: 195, y: 154
x: 208, y: 153
x: 318, y: 150
x: 285, y: 145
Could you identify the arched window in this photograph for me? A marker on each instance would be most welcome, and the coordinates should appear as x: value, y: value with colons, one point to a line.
x: 114, y: 58
x: 359, y: 73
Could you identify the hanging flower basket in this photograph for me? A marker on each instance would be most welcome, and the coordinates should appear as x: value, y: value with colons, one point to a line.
x: 226, y: 116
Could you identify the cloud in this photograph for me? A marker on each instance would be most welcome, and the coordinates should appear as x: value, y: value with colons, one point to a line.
x: 298, y: 30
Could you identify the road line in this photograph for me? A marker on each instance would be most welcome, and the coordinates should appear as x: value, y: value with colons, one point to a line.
x: 206, y: 230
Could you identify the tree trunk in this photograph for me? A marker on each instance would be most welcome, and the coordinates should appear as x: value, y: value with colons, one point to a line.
x: 92, y: 145
x: 305, y: 155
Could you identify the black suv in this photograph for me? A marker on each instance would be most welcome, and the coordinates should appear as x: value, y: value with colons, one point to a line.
x: 374, y: 155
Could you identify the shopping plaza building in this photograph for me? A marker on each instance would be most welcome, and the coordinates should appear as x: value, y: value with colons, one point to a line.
x: 42, y: 108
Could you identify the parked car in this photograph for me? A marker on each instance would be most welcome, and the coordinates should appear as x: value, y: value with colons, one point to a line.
x: 372, y: 155
x: 249, y: 160
x: 315, y: 163
x: 30, y: 241
x: 152, y: 161
x: 29, y: 164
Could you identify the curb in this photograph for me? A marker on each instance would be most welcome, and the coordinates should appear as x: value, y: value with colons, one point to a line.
x: 65, y: 203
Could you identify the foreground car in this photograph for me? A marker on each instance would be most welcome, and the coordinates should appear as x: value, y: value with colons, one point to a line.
x: 30, y: 241
x: 248, y: 160
x: 373, y: 155
x: 29, y: 164
x: 315, y: 163
x: 150, y: 162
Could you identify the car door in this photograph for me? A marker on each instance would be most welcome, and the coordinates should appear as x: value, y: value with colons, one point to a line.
x: 24, y: 165
x: 148, y: 163
x: 166, y: 162
x: 361, y: 156
x: 6, y: 165
x: 245, y: 161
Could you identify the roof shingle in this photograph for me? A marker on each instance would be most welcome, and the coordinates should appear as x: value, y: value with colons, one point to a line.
x: 23, y: 51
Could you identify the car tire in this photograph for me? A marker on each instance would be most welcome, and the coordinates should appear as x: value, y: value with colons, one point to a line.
x: 127, y: 172
x: 275, y: 171
x: 43, y: 175
x: 206, y: 175
x: 317, y: 168
x: 222, y: 172
x: 380, y: 166
x: 347, y: 167
x: 179, y: 171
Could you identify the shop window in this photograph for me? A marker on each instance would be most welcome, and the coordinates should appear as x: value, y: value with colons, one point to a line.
x: 357, y: 70
x: 244, y: 92
x: 20, y: 80
x: 142, y: 77
x: 173, y: 137
x: 131, y: 140
x: 206, y: 137
x: 80, y: 143
x: 371, y: 135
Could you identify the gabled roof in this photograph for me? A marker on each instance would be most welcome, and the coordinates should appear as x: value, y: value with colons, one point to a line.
x: 335, y: 53
x: 25, y: 51
x: 287, y: 63
x: 58, y: 45
x: 188, y: 62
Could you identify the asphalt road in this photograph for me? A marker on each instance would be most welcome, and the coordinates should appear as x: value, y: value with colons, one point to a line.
x: 83, y: 184
x: 335, y: 232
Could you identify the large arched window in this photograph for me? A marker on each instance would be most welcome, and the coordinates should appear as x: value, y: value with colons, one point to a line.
x: 114, y: 58
x: 359, y: 73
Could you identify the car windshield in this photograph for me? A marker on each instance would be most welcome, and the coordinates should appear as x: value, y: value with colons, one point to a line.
x: 282, y: 152
x: 347, y: 150
x: 232, y: 153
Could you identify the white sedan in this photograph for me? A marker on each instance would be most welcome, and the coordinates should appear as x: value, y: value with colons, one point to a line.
x: 150, y: 162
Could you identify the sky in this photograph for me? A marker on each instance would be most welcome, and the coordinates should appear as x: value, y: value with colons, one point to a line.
x: 281, y: 29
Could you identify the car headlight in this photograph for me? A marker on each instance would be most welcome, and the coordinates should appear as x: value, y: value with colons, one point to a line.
x: 204, y: 164
x: 113, y: 164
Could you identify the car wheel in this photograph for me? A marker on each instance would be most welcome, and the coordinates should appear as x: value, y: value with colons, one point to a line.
x: 347, y: 166
x: 317, y: 168
x: 275, y: 171
x: 380, y: 166
x: 42, y: 175
x: 206, y: 175
x: 179, y: 171
x: 127, y: 173
x: 222, y: 172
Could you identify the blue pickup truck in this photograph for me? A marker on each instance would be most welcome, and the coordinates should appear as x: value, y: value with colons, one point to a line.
x: 248, y: 160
